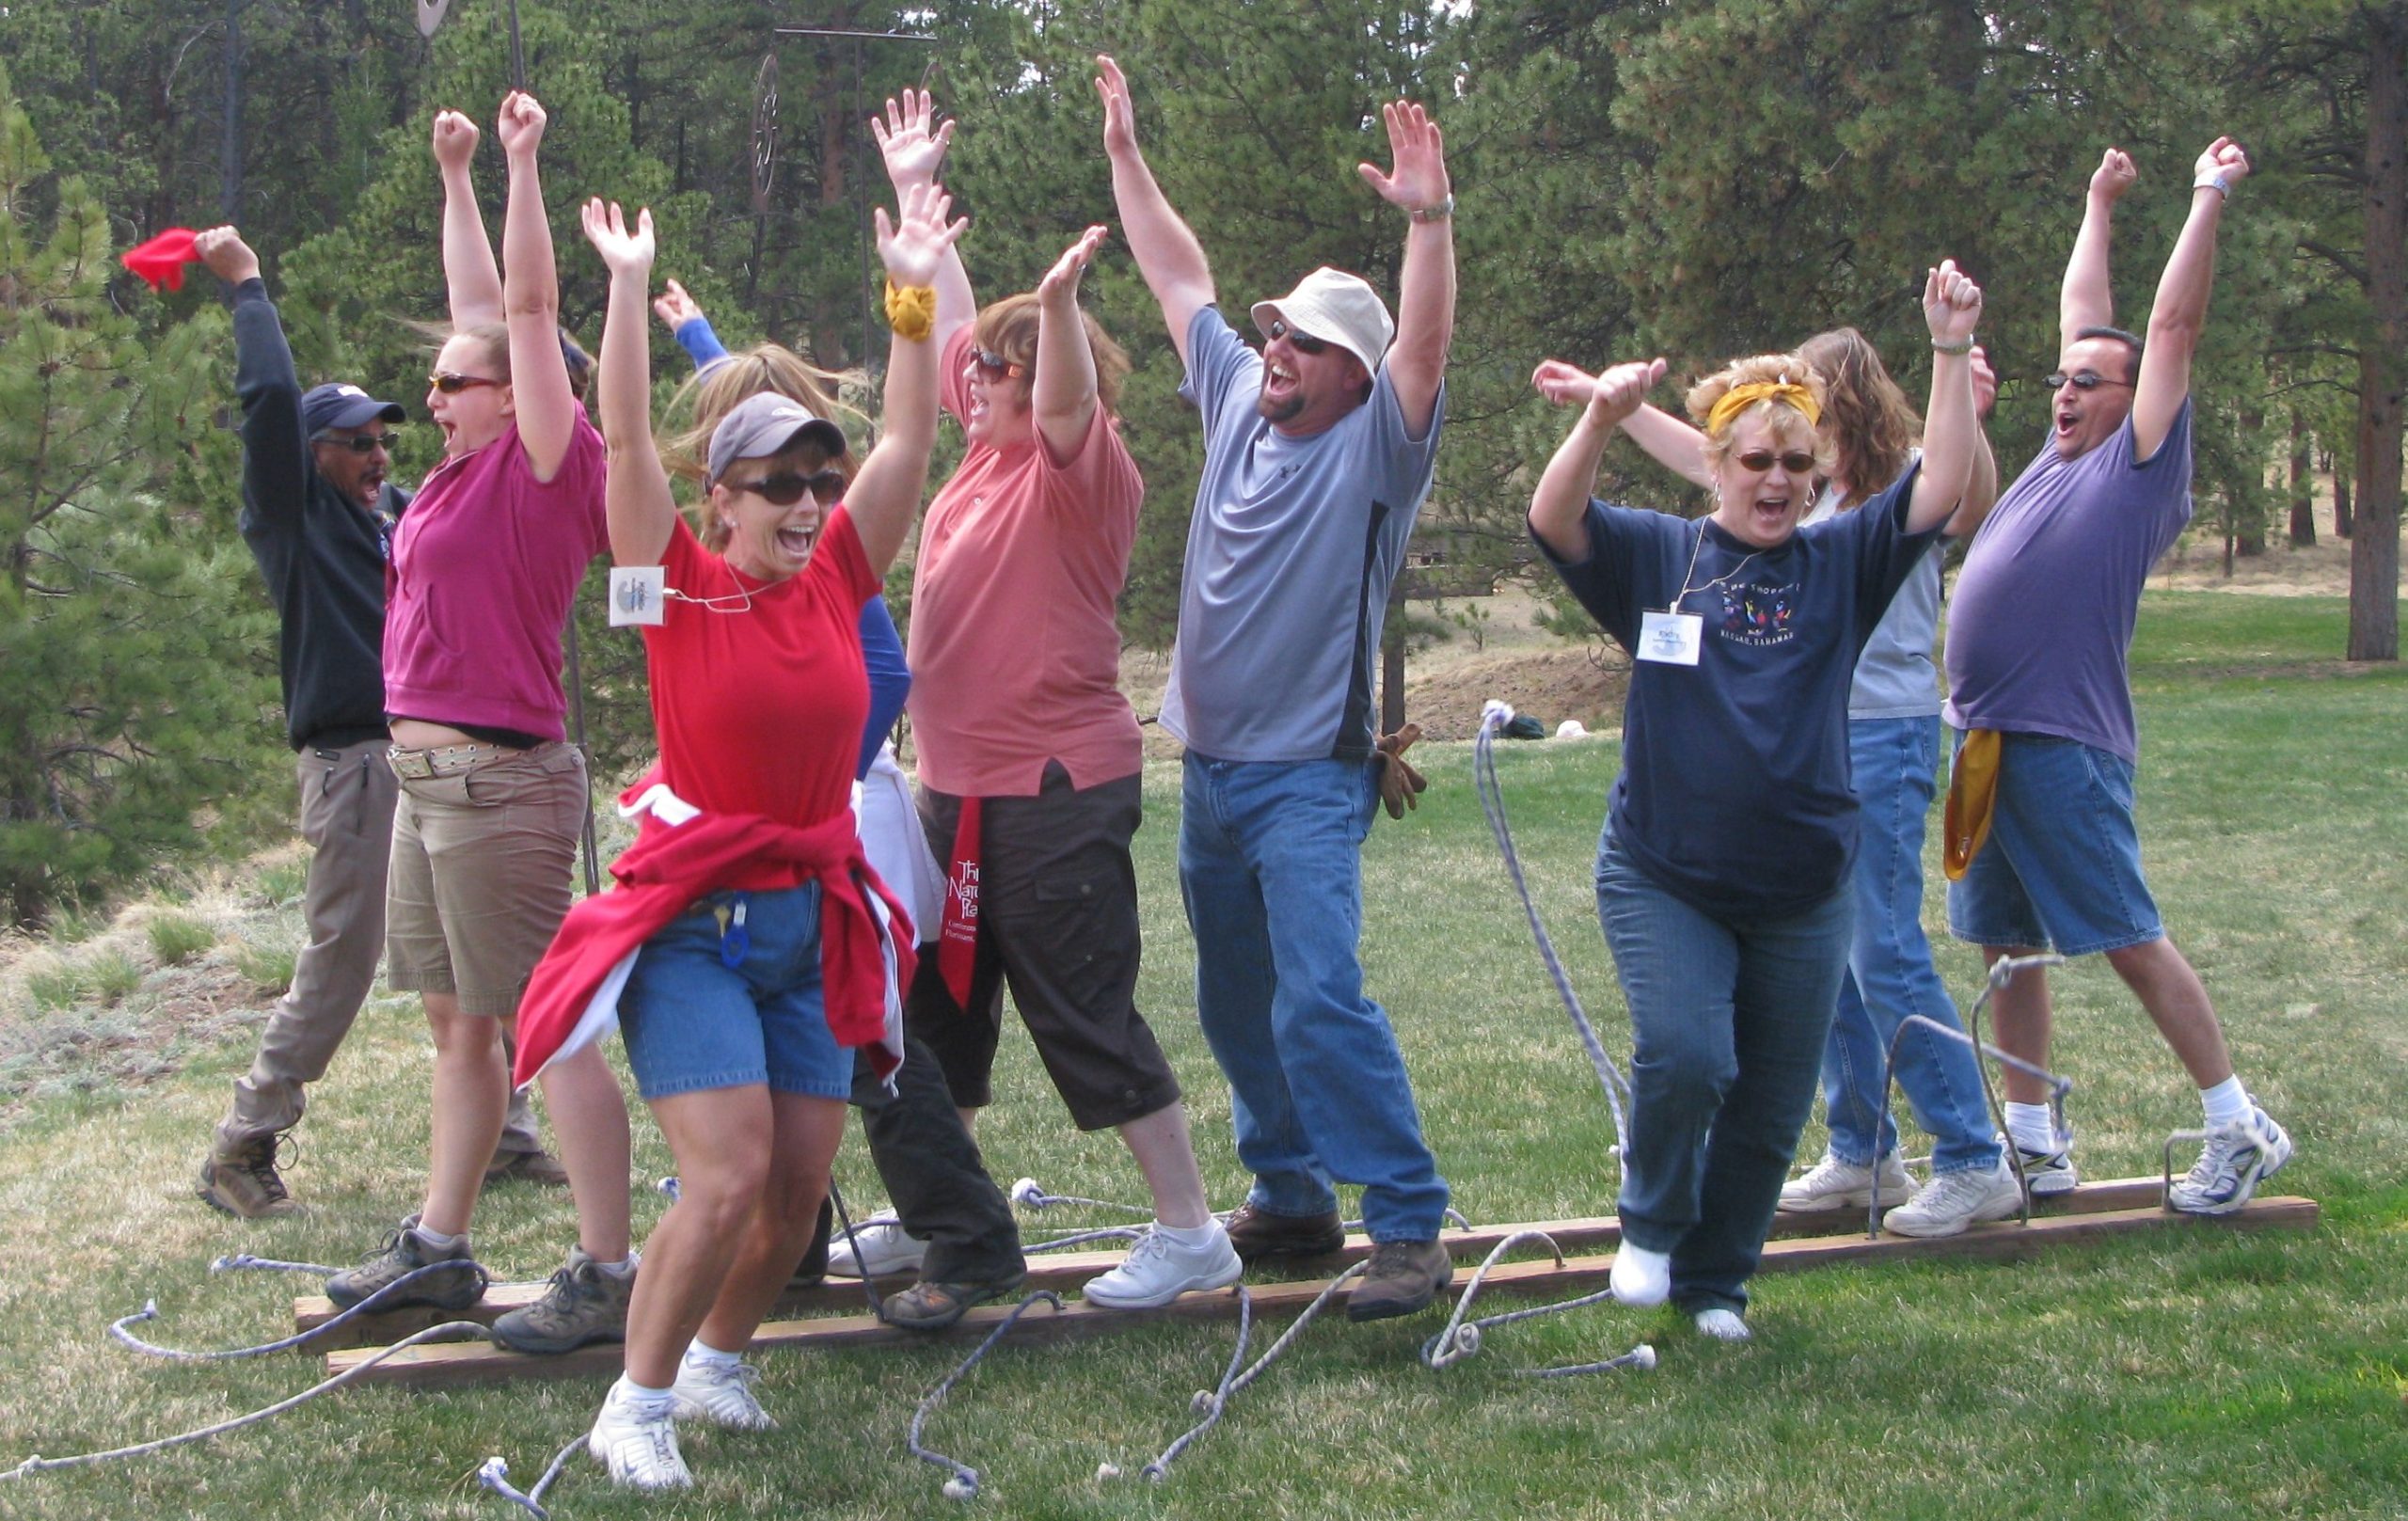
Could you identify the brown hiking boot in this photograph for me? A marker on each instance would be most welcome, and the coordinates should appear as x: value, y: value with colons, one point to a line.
x: 537, y: 1167
x: 935, y: 1306
x: 460, y: 1284
x: 583, y: 1304
x: 1258, y: 1233
x: 1404, y: 1275
x: 243, y: 1181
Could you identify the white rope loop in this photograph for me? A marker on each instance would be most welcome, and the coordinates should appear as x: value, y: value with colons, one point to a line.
x: 963, y: 1483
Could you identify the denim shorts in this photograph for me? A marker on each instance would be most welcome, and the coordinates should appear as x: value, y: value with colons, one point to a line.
x: 2062, y: 867
x: 733, y: 1003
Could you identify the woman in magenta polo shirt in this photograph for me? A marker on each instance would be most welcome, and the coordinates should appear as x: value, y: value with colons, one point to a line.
x: 484, y: 568
x: 1029, y: 760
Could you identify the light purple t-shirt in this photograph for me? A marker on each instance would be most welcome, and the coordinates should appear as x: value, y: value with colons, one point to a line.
x: 2051, y: 586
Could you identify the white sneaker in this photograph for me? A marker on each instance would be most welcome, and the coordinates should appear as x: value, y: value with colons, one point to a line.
x: 1722, y: 1325
x: 1640, y: 1276
x: 721, y: 1393
x: 1833, y: 1184
x: 638, y: 1442
x: 880, y: 1244
x: 2236, y: 1157
x: 1953, y: 1200
x: 1156, y: 1272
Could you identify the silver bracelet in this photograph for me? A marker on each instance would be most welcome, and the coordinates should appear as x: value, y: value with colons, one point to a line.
x: 1966, y: 346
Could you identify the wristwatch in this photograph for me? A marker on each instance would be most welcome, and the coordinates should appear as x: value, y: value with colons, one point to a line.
x: 1438, y: 212
x: 2216, y: 183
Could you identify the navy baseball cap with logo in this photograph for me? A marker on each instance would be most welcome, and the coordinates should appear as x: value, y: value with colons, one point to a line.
x: 343, y: 406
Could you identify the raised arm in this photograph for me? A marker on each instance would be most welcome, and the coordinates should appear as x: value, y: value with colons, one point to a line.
x: 531, y: 294
x: 2180, y: 313
x: 913, y: 145
x: 1952, y: 304
x: 885, y: 493
x: 1670, y: 441
x: 1981, y: 491
x: 276, y: 451
x: 683, y: 316
x: 1425, y: 316
x: 1561, y: 505
x: 642, y: 514
x: 1165, y: 248
x: 468, y: 270
x: 2086, y: 300
x: 1062, y: 393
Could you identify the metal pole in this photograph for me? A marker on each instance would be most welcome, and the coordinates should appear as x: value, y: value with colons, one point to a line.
x: 230, y: 151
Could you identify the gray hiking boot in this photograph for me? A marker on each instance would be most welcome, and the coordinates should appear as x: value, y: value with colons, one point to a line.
x: 583, y: 1304
x: 403, y: 1253
x: 1404, y: 1276
x: 242, y: 1181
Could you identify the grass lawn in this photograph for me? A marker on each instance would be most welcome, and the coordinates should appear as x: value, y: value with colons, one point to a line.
x: 2188, y: 1373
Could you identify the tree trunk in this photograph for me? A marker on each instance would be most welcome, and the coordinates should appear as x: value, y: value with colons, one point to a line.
x: 1392, y: 658
x: 2382, y: 366
x: 2303, y: 484
x: 2243, y: 508
x: 2340, y: 497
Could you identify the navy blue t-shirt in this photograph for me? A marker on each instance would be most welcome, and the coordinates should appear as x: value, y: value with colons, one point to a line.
x: 1734, y: 794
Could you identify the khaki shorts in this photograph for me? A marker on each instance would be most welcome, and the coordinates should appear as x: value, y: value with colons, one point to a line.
x: 479, y: 879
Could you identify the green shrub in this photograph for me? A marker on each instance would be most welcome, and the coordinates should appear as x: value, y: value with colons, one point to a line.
x: 176, y: 938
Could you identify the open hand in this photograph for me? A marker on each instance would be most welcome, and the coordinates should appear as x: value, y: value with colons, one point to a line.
x: 1951, y: 303
x: 913, y: 244
x: 1420, y: 178
x: 674, y: 308
x: 623, y: 250
x: 227, y: 255
x: 1609, y: 397
x: 2114, y: 176
x: 1120, y: 117
x: 1061, y: 282
x: 911, y: 140
x: 521, y: 127
x: 2226, y: 157
x: 455, y: 140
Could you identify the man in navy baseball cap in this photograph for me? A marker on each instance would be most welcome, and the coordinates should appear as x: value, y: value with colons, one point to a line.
x: 347, y: 443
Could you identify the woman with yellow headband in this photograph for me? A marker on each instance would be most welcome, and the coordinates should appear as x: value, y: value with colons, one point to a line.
x: 1724, y: 872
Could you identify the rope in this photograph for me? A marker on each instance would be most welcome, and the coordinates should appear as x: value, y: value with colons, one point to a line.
x: 1461, y: 1338
x: 1210, y: 1402
x: 37, y: 1464
x: 1216, y: 1401
x: 495, y: 1475
x: 1494, y: 715
x: 1028, y: 1192
x: 149, y: 1311
x: 244, y: 1261
x: 963, y: 1484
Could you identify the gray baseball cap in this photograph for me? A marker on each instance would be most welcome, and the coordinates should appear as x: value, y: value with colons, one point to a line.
x: 765, y: 424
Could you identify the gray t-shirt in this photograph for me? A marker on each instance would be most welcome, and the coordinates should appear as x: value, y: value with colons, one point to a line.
x: 2052, y: 588
x: 1290, y: 557
x: 1895, y: 677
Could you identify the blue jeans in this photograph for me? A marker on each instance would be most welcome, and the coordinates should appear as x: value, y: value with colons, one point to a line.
x: 2062, y: 868
x: 1728, y: 1020
x: 712, y: 1006
x: 1270, y: 865
x: 1889, y: 975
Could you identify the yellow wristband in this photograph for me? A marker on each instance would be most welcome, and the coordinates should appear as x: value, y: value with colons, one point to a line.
x: 911, y: 311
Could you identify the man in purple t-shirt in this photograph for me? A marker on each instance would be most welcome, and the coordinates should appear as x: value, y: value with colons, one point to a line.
x: 2036, y: 647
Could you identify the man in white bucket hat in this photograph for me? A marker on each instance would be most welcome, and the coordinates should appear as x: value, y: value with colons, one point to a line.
x: 1318, y: 457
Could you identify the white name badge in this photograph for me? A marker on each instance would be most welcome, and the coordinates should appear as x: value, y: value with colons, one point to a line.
x: 1669, y: 638
x: 639, y: 595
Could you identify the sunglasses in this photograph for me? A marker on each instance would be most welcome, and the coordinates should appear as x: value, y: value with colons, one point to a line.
x: 2087, y: 380
x: 358, y: 443
x: 787, y: 488
x: 1762, y: 459
x: 452, y: 385
x: 1304, y: 343
x: 997, y: 366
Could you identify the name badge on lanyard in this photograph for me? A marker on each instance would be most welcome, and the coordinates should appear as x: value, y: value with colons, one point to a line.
x: 1669, y: 638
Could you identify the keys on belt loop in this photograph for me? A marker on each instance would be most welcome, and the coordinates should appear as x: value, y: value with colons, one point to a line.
x: 734, y: 939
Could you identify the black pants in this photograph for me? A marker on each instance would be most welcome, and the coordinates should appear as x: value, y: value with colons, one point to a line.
x: 933, y: 1174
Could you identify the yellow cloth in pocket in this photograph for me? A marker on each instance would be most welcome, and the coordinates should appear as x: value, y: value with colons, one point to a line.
x: 1973, y: 792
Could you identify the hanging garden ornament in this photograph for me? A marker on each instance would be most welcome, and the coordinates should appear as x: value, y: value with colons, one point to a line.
x: 430, y: 15
x: 764, y: 132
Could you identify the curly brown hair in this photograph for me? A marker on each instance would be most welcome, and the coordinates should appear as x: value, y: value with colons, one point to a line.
x: 1865, y: 415
x: 1008, y: 328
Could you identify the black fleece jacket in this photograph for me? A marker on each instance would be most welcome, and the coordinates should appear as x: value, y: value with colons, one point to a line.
x: 322, y: 555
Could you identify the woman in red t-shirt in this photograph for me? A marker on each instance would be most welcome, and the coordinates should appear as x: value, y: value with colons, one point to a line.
x: 756, y: 655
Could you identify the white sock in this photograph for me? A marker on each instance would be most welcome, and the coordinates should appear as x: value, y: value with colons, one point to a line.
x: 639, y: 1397
x: 699, y: 1355
x: 2227, y: 1103
x: 618, y: 1269
x: 1187, y: 1237
x: 438, y: 1238
x: 2031, y: 1127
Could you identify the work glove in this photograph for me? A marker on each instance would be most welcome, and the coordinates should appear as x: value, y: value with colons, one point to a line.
x: 1400, y: 786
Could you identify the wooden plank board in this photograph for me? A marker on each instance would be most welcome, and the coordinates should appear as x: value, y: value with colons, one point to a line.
x: 463, y: 1363
x: 1066, y: 1271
